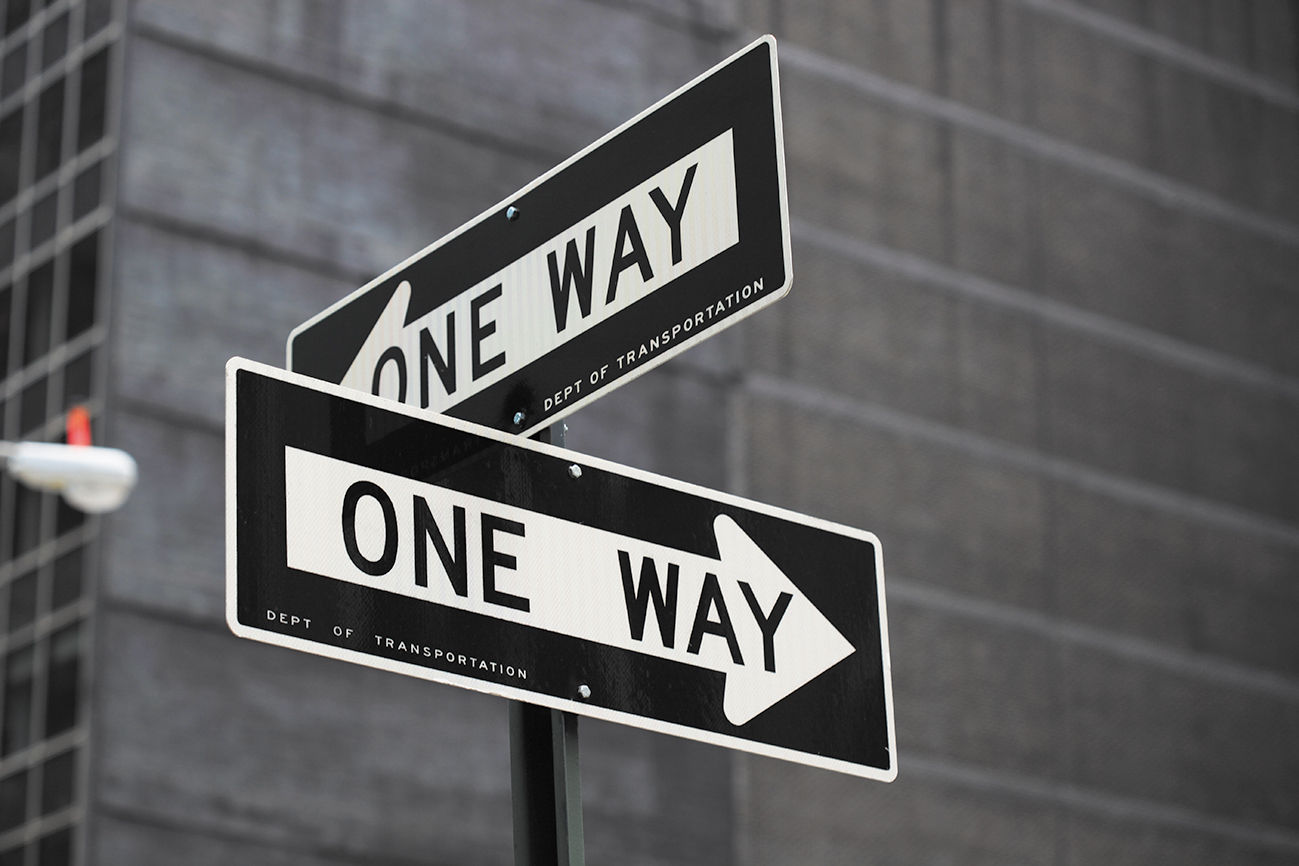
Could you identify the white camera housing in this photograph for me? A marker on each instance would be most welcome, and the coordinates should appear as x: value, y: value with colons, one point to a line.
x: 89, y: 477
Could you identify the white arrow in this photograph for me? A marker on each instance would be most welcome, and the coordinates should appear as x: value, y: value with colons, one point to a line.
x: 738, y: 614
x: 669, y: 224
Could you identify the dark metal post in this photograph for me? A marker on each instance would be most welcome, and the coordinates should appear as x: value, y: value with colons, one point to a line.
x: 545, y: 783
x: 545, y: 787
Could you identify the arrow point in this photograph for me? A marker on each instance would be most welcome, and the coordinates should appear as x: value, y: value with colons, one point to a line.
x: 807, y: 643
x: 734, y: 545
x: 393, y: 318
x: 386, y: 332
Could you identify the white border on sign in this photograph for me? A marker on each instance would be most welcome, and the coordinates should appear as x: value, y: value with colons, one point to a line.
x: 234, y: 365
x: 497, y: 209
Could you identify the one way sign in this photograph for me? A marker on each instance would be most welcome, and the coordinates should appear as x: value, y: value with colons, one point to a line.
x: 657, y: 236
x: 447, y: 551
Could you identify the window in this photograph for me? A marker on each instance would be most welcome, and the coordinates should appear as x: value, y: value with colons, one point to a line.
x: 94, y: 100
x: 13, y: 800
x: 85, y: 192
x: 57, y: 781
x: 83, y: 281
x: 78, y: 378
x: 49, y: 129
x: 67, y: 518
x: 17, y: 732
x: 40, y: 301
x: 45, y: 216
x: 33, y: 410
x: 55, y: 159
x: 14, y: 73
x: 16, y: 14
x: 67, y: 579
x: 6, y: 300
x: 56, y: 849
x: 61, y: 693
x: 55, y: 42
x: 6, y: 242
x: 98, y: 15
x: 22, y: 601
x: 27, y: 519
x: 11, y: 142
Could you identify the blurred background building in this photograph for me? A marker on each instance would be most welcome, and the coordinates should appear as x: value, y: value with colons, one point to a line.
x: 1042, y: 340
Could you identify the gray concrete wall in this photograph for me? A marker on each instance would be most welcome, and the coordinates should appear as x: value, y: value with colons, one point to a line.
x: 1041, y: 341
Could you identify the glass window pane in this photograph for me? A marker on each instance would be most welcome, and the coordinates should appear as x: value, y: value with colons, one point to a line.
x: 85, y: 191
x: 22, y: 601
x: 56, y: 849
x: 94, y: 98
x: 13, y: 801
x: 77, y: 380
x: 67, y: 578
x: 16, y: 14
x: 45, y: 218
x: 83, y: 280
x: 27, y: 518
x: 33, y: 407
x: 49, y: 130
x: 40, y: 300
x: 55, y: 43
x: 15, y: 69
x: 6, y: 242
x: 61, y: 697
x: 6, y: 304
x: 11, y: 143
x: 17, y: 730
x: 57, y: 787
x: 98, y: 14
x: 67, y: 518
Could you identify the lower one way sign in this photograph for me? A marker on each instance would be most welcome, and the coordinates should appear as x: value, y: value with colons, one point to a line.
x: 359, y: 530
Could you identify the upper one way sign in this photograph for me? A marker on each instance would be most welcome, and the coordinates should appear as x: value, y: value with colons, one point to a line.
x: 373, y: 533
x: 668, y: 229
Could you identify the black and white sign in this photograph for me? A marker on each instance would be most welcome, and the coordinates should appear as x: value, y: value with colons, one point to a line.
x: 366, y: 531
x: 660, y: 234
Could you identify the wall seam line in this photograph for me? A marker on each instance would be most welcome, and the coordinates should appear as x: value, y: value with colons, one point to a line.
x: 1099, y: 481
x: 1183, y: 663
x: 1116, y: 806
x: 1147, y: 342
x: 1161, y: 189
x: 1157, y: 45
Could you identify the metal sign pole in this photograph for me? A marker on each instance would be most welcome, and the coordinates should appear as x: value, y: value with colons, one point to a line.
x: 545, y: 781
x: 545, y: 787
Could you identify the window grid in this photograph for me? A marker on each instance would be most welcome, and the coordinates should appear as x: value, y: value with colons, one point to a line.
x: 59, y: 62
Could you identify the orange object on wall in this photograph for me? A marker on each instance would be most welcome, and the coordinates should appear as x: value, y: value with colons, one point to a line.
x: 78, y: 426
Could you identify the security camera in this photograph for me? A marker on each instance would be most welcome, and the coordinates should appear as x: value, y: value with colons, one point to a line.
x: 91, y: 478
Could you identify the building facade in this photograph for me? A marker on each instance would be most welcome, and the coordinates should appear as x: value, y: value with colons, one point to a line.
x: 57, y: 153
x: 1041, y: 341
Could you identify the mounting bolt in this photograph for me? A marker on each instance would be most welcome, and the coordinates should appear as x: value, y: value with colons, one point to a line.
x: 518, y: 418
x: 584, y: 691
x: 511, y: 213
x: 574, y: 471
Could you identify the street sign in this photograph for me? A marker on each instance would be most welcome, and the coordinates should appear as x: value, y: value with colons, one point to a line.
x: 367, y: 531
x: 662, y: 233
